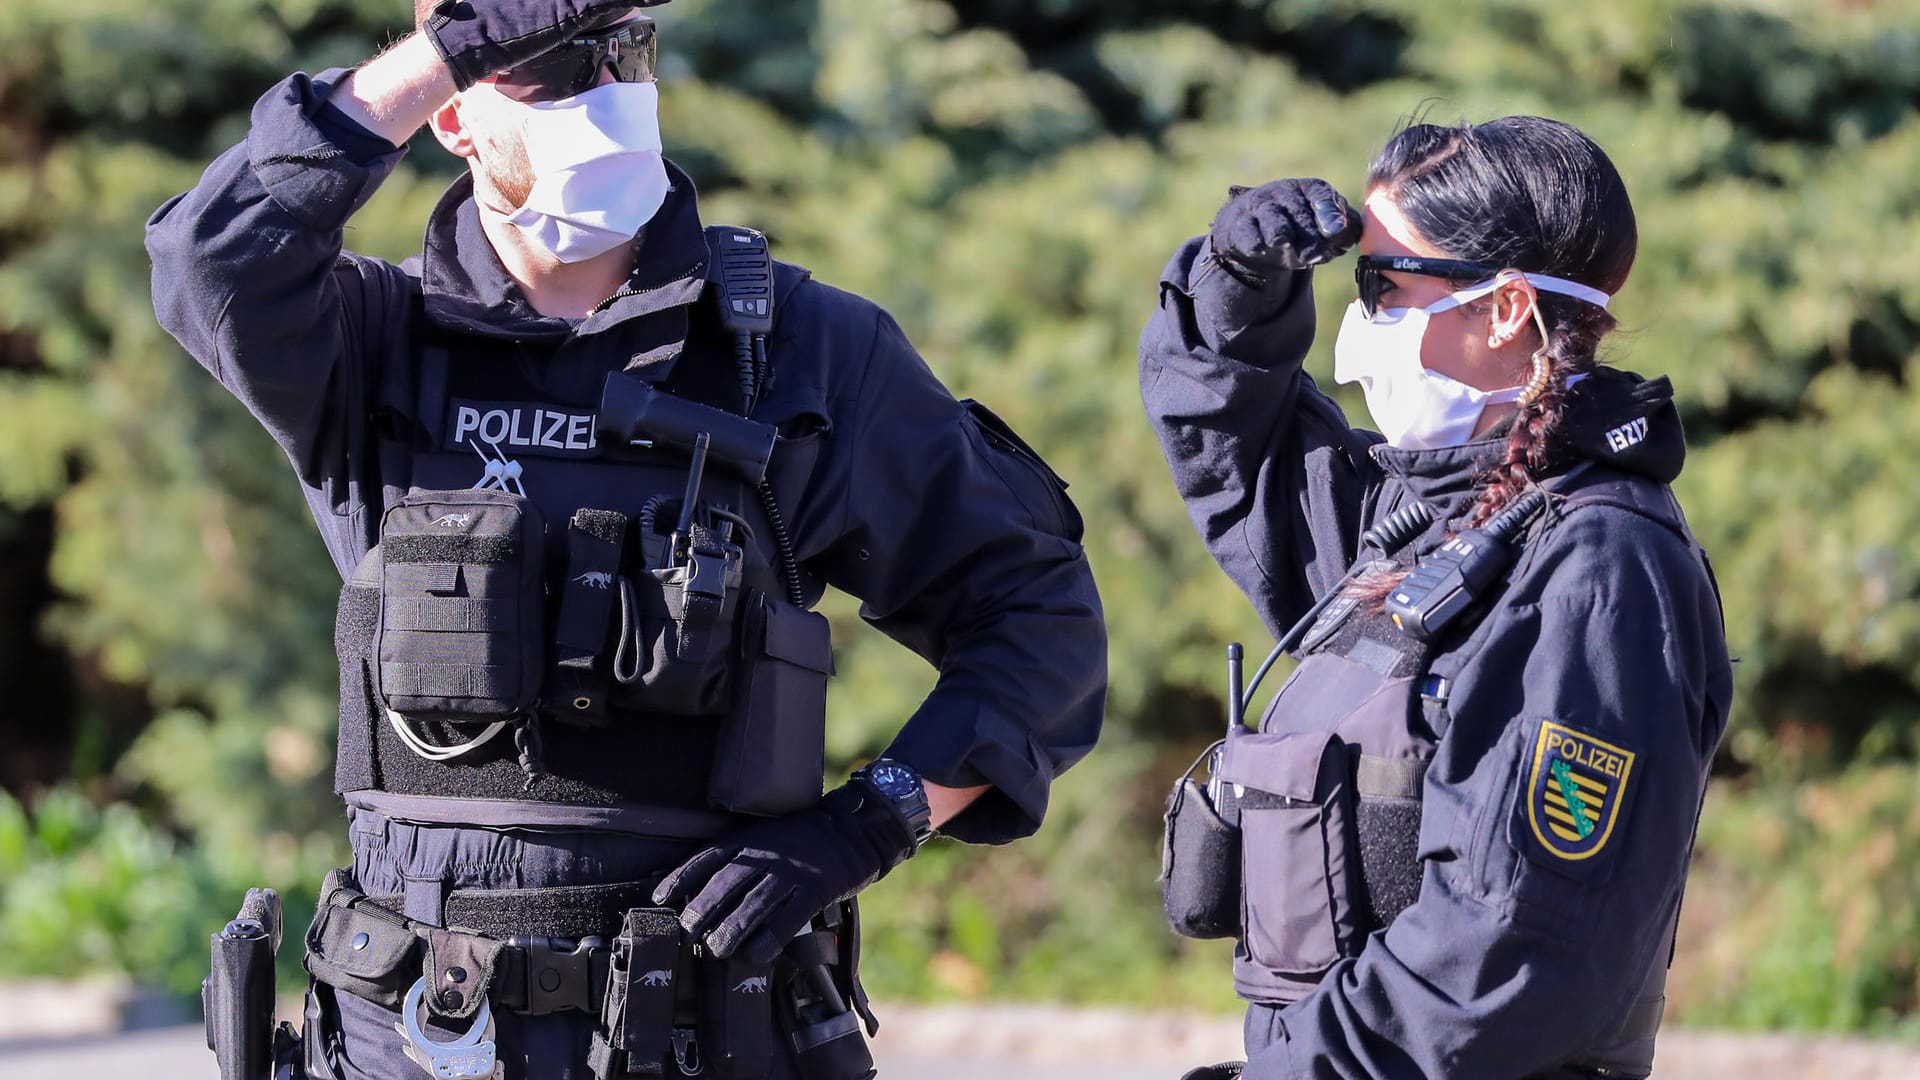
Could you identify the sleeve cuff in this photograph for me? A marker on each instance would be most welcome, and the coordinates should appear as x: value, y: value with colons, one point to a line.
x: 961, y: 751
x: 363, y: 147
x: 316, y: 163
x: 1253, y: 325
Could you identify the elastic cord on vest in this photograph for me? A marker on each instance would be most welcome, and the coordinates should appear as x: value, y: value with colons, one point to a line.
x: 439, y: 753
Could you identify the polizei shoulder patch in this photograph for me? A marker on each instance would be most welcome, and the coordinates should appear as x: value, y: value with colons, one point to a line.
x: 1575, y: 789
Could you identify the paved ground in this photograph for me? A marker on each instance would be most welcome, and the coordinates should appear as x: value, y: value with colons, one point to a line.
x: 181, y: 1054
x: 1024, y: 1043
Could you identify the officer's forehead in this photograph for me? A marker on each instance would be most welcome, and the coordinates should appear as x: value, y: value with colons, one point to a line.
x: 1386, y: 231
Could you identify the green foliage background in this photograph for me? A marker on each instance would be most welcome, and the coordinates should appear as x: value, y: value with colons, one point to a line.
x: 1007, y: 178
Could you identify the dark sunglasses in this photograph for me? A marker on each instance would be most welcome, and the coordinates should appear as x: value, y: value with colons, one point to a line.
x: 628, y: 50
x: 1370, y: 274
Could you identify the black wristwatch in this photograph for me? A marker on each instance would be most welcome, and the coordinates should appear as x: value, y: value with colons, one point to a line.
x: 901, y: 786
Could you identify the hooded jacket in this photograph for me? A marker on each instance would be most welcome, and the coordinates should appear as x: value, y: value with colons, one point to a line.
x: 960, y: 542
x: 1516, y: 958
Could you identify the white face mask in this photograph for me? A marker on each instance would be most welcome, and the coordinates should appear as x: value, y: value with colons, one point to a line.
x: 598, y: 173
x: 1417, y: 408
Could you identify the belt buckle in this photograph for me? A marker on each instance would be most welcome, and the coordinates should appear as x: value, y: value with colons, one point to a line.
x: 557, y: 977
x: 469, y: 1057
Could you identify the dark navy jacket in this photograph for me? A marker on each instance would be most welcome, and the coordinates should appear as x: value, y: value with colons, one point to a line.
x: 960, y: 542
x: 1512, y: 960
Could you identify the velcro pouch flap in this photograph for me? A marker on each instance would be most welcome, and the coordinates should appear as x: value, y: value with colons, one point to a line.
x: 799, y: 636
x: 459, y: 971
x: 1297, y: 766
x: 371, y: 957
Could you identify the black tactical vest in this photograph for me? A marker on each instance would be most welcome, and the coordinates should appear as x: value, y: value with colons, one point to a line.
x: 672, y: 674
x: 1329, y: 800
x: 1329, y: 793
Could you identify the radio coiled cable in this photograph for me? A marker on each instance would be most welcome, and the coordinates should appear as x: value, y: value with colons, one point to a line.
x: 783, y: 544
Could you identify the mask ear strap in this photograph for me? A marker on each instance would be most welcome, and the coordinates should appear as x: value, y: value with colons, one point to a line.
x: 1542, y: 364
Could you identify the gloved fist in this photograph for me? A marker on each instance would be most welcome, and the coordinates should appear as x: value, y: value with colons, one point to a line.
x: 1282, y: 225
x: 751, y: 892
x: 1226, y: 1070
x: 479, y: 37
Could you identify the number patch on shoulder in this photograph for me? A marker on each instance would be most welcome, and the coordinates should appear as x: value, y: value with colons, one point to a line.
x: 1575, y: 790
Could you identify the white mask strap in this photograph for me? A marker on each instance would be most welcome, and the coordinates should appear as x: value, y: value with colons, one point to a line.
x: 1569, y: 288
x: 1542, y: 282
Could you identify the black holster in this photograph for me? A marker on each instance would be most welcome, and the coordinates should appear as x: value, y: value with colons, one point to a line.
x: 237, y: 996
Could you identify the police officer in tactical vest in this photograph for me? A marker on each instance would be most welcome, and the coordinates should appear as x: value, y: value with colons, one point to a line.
x: 1455, y: 845
x: 585, y: 467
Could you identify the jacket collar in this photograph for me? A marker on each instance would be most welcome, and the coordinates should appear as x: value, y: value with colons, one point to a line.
x: 1613, y: 418
x: 467, y: 289
x: 1443, y: 478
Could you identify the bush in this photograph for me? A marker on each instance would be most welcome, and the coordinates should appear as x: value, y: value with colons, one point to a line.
x: 1801, y: 912
x: 86, y: 890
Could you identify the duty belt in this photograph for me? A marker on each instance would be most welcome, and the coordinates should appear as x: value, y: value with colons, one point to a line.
x: 658, y: 997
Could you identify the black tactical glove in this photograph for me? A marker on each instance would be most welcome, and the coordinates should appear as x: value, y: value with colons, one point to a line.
x: 479, y: 37
x: 755, y: 889
x: 1226, y: 1070
x: 1282, y: 225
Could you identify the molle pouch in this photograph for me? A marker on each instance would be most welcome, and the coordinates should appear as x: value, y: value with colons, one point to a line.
x: 676, y: 648
x: 460, y: 629
x: 583, y: 628
x: 736, y: 1019
x: 364, y: 951
x: 1298, y: 857
x: 642, y: 989
x: 772, y: 753
x: 1200, y: 858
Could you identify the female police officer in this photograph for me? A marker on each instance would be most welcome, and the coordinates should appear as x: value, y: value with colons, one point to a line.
x: 1464, y: 830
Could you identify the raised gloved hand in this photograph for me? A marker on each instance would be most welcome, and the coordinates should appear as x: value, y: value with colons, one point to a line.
x: 751, y: 892
x: 1280, y: 226
x: 479, y: 37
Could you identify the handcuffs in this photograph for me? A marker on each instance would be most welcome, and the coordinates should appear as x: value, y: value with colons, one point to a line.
x: 469, y: 1057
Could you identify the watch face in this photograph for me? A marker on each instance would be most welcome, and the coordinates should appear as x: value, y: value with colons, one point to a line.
x: 897, y: 781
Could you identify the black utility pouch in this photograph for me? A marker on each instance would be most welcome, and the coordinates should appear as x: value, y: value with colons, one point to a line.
x: 583, y: 627
x: 676, y: 649
x: 1299, y: 861
x: 772, y: 753
x: 736, y: 1019
x: 1200, y: 856
x: 643, y: 978
x: 365, y: 951
x: 460, y: 633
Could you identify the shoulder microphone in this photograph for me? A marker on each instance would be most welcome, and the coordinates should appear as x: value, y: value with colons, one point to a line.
x: 1447, y: 581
